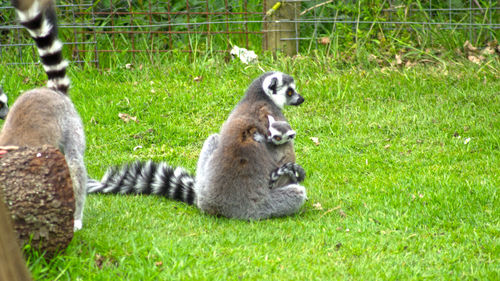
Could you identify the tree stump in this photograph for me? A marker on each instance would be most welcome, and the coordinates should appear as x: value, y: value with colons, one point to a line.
x: 38, y: 193
x: 12, y: 265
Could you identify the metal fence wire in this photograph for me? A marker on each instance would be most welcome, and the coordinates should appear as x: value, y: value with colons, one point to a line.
x: 96, y: 30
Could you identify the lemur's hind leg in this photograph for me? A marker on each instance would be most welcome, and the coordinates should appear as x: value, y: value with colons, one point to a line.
x: 209, y: 146
x: 79, y: 178
x: 282, y: 201
x: 74, y: 149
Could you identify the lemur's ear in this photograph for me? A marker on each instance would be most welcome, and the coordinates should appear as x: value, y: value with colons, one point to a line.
x: 273, y: 84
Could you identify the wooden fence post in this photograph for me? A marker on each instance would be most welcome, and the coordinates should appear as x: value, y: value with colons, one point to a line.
x: 280, y: 29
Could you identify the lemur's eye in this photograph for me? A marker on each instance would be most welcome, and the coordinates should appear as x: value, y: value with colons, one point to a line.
x: 277, y: 138
x: 289, y: 92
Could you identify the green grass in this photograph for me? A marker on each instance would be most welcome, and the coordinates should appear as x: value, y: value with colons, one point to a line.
x: 394, y: 193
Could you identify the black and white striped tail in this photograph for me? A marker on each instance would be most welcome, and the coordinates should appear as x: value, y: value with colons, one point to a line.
x: 147, y: 178
x: 39, y: 18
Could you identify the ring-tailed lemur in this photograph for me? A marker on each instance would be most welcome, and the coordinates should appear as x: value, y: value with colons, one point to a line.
x: 236, y: 175
x: 47, y: 115
x: 234, y: 172
x: 4, y: 108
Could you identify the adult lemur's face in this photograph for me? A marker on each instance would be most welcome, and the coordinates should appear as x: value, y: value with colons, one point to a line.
x: 280, y: 88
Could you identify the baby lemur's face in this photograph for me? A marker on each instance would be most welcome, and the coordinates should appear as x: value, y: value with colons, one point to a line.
x: 279, y: 132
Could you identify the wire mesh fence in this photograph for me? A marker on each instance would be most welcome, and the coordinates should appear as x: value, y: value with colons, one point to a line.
x: 96, y: 31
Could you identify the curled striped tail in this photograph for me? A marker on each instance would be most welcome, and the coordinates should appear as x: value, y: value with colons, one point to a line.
x: 147, y: 178
x: 39, y: 18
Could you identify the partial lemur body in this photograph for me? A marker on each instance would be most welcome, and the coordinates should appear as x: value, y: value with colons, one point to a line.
x: 47, y: 115
x: 4, y: 108
x: 239, y: 174
x: 235, y: 174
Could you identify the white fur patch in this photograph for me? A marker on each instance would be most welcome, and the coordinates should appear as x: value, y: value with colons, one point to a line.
x: 31, y: 13
x: 56, y: 67
x: 157, y: 180
x: 52, y: 49
x: 142, y: 183
x: 56, y: 83
x: 77, y: 225
x: 43, y: 31
x: 280, y: 97
x: 175, y: 181
x: 3, y: 98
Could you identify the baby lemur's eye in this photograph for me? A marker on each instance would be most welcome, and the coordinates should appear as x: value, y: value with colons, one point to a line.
x: 277, y: 138
x: 289, y: 92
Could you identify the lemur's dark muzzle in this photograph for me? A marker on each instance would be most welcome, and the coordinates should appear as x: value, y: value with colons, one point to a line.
x: 299, y: 100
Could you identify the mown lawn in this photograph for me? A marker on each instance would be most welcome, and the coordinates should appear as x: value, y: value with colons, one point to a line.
x: 402, y: 179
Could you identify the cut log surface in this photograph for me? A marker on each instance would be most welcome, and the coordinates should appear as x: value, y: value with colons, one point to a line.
x: 38, y: 192
x: 12, y: 265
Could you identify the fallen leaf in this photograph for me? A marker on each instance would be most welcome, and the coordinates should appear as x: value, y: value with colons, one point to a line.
x: 324, y: 40
x: 128, y: 66
x: 315, y: 140
x: 488, y: 51
x: 387, y: 146
x: 468, y: 47
x: 198, y: 79
x: 410, y: 64
x: 398, y: 59
x: 126, y: 118
x: 26, y: 80
x: 476, y: 59
x: 99, y: 261
x: 159, y: 263
x: 493, y: 44
x: 342, y: 213
x: 318, y: 206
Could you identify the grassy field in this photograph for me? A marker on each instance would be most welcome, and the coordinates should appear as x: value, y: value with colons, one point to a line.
x: 402, y: 179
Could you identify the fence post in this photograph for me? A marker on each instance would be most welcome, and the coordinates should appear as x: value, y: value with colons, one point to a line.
x: 280, y: 31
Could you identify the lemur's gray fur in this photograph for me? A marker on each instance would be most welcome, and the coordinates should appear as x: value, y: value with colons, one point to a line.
x: 47, y: 115
x: 4, y: 108
x: 236, y: 176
